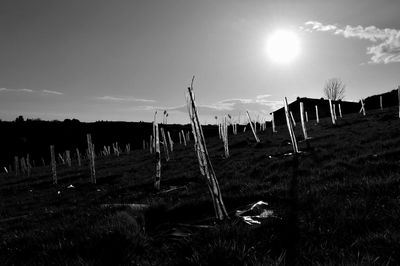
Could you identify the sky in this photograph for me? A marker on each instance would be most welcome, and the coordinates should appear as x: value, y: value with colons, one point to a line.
x: 123, y: 60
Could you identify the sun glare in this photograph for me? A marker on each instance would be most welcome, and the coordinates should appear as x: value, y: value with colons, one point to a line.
x: 283, y: 46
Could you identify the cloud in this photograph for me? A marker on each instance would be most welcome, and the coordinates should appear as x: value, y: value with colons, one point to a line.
x: 386, y: 42
x: 122, y: 99
x: 259, y: 105
x: 52, y: 92
x: 32, y: 91
x: 23, y: 90
x: 26, y: 90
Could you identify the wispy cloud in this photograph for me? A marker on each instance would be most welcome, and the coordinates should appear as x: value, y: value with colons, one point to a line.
x: 52, y: 92
x: 386, y: 47
x: 31, y: 91
x: 16, y: 90
x: 26, y: 90
x: 123, y: 99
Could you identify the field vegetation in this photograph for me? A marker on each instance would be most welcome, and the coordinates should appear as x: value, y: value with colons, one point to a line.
x: 336, y: 203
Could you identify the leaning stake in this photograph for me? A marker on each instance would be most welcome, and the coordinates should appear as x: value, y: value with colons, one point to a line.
x: 290, y: 128
x: 252, y: 128
x: 212, y: 181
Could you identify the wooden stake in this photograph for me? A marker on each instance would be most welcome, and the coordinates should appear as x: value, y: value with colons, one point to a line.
x: 340, y: 111
x: 165, y: 144
x: 316, y: 114
x: 306, y: 116
x: 381, y: 103
x: 362, y: 107
x: 290, y: 127
x: 151, y: 144
x: 23, y: 166
x: 68, y: 158
x: 28, y: 164
x: 225, y: 137
x: 273, y: 123
x: 183, y: 137
x: 61, y: 158
x: 252, y: 128
x: 293, y: 121
x: 53, y: 164
x: 331, y: 110
x: 212, y: 181
x: 334, y: 111
x: 91, y: 159
x: 158, y: 156
x: 398, y: 97
x: 78, y: 156
x: 16, y: 165
x: 303, y: 124
x: 171, y: 143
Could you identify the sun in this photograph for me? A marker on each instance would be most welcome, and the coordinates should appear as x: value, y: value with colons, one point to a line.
x: 283, y: 46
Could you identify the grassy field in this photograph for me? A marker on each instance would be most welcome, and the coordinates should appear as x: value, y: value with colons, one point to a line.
x: 337, y: 203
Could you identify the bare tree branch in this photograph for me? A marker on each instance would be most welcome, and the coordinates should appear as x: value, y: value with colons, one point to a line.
x: 334, y: 89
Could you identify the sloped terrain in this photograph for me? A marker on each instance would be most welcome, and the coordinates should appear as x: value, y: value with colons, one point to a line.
x: 338, y: 202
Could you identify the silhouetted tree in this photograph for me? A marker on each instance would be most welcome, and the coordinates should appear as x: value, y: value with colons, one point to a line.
x: 19, y: 119
x: 334, y: 89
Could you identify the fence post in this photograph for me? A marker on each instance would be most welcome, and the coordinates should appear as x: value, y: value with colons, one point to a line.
x: 53, y: 164
x: 91, y: 159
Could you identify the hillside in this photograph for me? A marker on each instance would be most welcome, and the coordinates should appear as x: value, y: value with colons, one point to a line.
x: 338, y: 202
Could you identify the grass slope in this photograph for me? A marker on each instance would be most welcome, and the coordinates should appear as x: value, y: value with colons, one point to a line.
x: 337, y: 203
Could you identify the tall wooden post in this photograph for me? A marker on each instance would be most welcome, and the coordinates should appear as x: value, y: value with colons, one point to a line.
x: 91, y: 159
x: 340, y: 111
x: 53, y: 164
x: 316, y: 114
x: 381, y: 103
x: 204, y: 159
